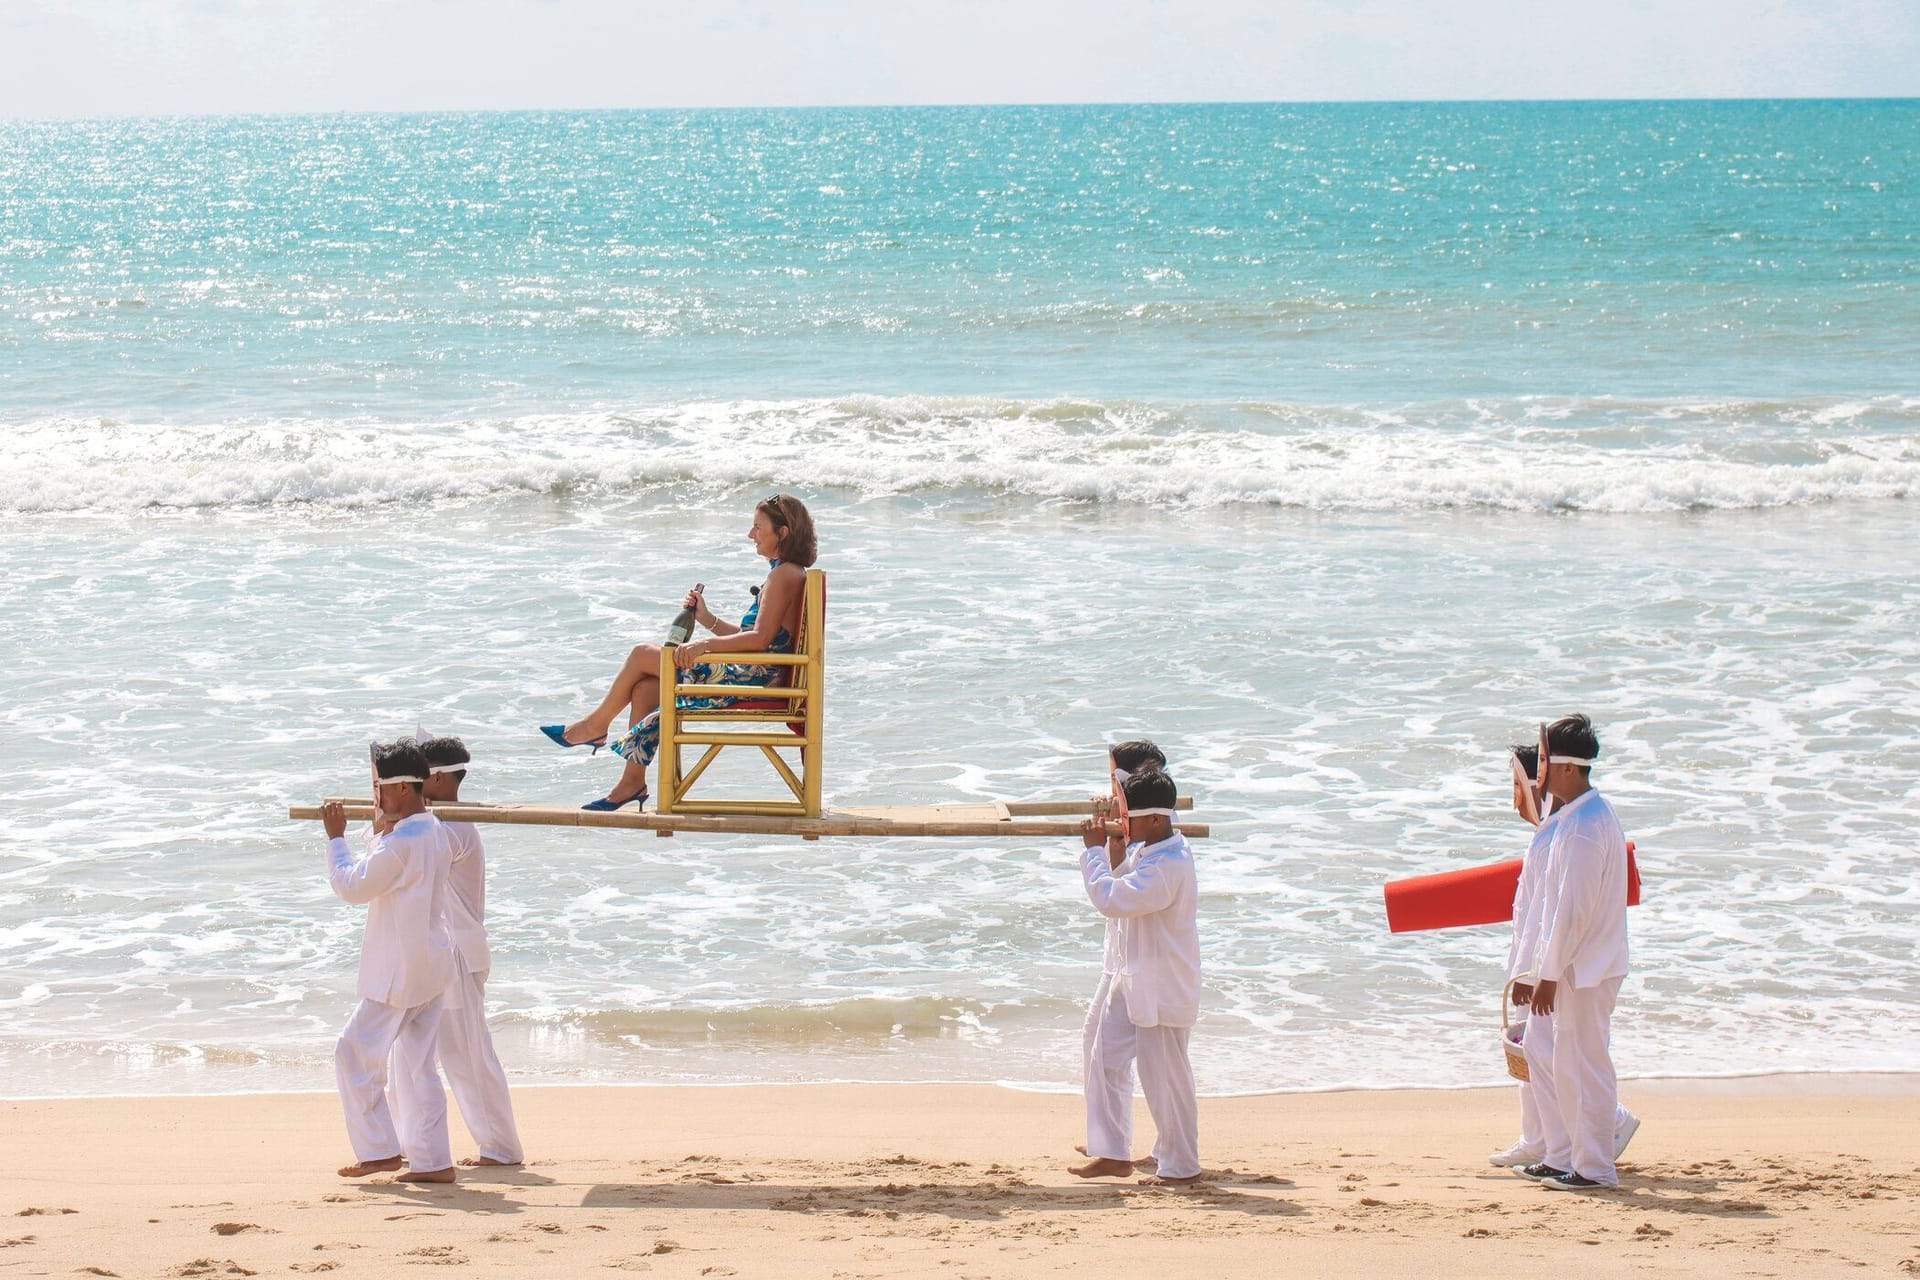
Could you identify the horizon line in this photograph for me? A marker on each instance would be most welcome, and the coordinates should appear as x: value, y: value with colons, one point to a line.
x: 332, y: 112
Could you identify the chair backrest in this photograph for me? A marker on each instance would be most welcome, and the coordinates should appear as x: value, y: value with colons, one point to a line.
x: 813, y: 613
x: 812, y: 641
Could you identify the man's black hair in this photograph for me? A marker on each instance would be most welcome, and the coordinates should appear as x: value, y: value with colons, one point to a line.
x: 1138, y: 754
x: 1573, y: 736
x: 402, y: 759
x: 446, y: 751
x: 1149, y: 789
x: 1529, y: 753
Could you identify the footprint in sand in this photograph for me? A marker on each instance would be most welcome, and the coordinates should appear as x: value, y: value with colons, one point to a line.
x: 211, y: 1267
x: 315, y: 1266
x: 235, y: 1228
x: 33, y: 1211
x: 96, y: 1271
x: 11, y: 1241
x: 444, y: 1255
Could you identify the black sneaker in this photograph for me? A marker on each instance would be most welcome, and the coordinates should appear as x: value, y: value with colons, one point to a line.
x: 1543, y: 1172
x: 1573, y: 1182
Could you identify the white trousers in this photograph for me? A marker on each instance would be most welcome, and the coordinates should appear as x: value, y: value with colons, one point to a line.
x: 474, y: 1073
x: 1540, y: 1127
x: 1111, y: 1046
x: 1536, y: 1125
x: 1576, y: 1098
x: 374, y: 1034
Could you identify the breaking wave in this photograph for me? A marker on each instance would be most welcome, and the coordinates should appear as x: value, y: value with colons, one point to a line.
x: 1519, y: 454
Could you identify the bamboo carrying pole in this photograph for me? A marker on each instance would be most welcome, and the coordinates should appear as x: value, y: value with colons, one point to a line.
x: 917, y: 820
x: 1002, y: 809
x: 1052, y: 808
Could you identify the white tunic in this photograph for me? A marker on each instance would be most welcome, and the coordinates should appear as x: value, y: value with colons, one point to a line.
x: 1583, y: 907
x: 406, y: 951
x: 467, y: 896
x: 1526, y: 901
x: 1152, y: 902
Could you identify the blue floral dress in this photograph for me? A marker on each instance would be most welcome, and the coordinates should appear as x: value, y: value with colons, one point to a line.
x: 642, y: 742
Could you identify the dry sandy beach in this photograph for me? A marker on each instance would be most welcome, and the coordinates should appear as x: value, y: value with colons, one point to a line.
x: 1778, y: 1177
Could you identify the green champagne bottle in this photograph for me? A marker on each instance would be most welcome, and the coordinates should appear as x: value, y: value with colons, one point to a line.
x: 682, y: 629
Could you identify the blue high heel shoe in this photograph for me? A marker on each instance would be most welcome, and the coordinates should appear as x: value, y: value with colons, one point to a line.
x: 557, y: 733
x: 605, y: 805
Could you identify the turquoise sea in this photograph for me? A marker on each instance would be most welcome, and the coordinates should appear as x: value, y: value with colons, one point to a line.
x: 1333, y: 446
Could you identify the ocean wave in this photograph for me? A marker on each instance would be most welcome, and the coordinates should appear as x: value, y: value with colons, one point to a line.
x: 1518, y: 454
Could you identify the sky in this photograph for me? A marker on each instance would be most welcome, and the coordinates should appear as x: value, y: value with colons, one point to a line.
x: 68, y: 58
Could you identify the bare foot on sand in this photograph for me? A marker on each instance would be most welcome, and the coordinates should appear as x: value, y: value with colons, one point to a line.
x: 1157, y: 1181
x: 1144, y: 1162
x: 1102, y: 1169
x: 488, y: 1162
x: 366, y: 1167
x: 428, y: 1175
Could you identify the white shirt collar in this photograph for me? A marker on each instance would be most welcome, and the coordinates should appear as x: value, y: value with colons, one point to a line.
x: 1572, y: 804
x: 1140, y: 849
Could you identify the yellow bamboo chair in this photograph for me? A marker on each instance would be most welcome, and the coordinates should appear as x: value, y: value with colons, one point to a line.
x: 790, y: 715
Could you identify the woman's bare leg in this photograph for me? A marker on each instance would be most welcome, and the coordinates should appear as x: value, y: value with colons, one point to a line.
x: 645, y: 700
x: 642, y: 667
x: 633, y: 780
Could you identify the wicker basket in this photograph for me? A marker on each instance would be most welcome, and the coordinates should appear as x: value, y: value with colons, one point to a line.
x: 1511, y: 1035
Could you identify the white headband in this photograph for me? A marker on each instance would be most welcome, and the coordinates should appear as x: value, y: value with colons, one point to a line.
x: 405, y: 777
x: 1148, y: 813
x: 1568, y: 760
x: 448, y: 768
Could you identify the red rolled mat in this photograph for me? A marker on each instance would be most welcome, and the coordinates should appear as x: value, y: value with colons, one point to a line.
x: 1472, y: 895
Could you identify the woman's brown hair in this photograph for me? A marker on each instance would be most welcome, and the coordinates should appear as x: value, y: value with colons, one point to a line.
x: 790, y: 518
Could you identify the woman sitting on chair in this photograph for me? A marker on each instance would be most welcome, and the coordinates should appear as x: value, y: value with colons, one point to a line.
x: 783, y: 533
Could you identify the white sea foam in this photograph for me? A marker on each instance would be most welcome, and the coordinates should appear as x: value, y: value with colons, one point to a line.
x: 1758, y: 690
x: 1530, y: 454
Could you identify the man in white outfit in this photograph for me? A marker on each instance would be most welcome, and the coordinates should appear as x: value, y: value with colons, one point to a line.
x: 1536, y: 1127
x: 1149, y: 994
x: 406, y: 964
x: 473, y: 1069
x: 1580, y: 957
